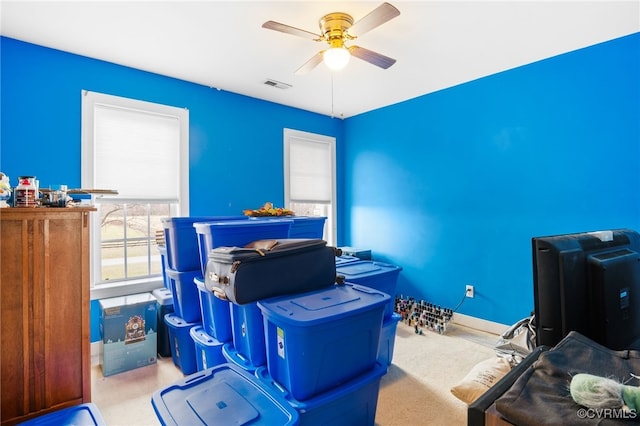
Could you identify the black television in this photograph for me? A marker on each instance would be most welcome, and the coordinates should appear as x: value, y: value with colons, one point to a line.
x: 588, y: 282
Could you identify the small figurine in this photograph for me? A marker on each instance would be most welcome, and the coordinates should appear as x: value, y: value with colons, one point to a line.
x: 5, y: 190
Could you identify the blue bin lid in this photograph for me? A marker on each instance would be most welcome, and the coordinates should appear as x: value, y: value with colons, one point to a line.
x: 203, y: 226
x: 189, y: 220
x: 222, y: 395
x: 322, y: 306
x: 199, y: 282
x: 174, y: 274
x: 172, y: 319
x: 309, y: 218
x: 163, y: 296
x: 199, y: 335
x: 83, y: 414
x: 365, y: 268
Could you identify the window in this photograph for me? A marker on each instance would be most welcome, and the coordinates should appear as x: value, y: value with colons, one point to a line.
x: 140, y: 150
x: 309, y: 177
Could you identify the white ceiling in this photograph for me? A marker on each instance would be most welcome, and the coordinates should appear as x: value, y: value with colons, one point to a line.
x: 221, y: 44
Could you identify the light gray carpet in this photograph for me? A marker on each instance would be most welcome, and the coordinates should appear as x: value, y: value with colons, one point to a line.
x: 416, y: 389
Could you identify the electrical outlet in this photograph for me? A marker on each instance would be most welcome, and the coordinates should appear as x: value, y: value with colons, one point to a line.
x: 469, y: 292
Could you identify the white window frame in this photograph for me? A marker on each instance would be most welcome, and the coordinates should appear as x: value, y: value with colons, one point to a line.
x: 291, y: 135
x: 89, y: 101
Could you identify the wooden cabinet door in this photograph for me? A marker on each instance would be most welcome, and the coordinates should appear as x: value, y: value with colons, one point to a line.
x: 44, y: 312
x: 14, y: 317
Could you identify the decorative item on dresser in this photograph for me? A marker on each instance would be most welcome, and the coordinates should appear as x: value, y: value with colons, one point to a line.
x: 44, y: 311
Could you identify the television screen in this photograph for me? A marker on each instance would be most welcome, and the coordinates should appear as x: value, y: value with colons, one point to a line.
x: 590, y: 283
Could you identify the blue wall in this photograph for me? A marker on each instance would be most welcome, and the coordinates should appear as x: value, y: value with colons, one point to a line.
x: 235, y: 159
x: 453, y: 185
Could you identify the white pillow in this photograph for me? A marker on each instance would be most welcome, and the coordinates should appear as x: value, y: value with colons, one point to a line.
x: 481, y: 377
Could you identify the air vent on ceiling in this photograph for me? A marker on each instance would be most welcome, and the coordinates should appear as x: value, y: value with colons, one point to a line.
x: 278, y: 84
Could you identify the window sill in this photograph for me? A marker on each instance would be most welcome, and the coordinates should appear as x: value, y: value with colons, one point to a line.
x: 106, y: 291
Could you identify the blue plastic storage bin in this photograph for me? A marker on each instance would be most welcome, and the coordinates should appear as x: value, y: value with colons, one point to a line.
x: 307, y: 227
x: 232, y: 356
x: 388, y: 339
x: 247, y: 327
x: 181, y: 241
x: 222, y: 395
x: 345, y: 258
x: 164, y: 302
x: 352, y: 403
x: 381, y: 276
x: 186, y: 298
x: 79, y: 415
x: 208, y: 349
x: 236, y: 233
x: 216, y: 313
x: 165, y: 265
x: 318, y: 340
x: 362, y: 254
x: 183, y: 350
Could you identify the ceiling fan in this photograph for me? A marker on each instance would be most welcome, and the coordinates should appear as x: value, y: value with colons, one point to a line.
x: 338, y: 28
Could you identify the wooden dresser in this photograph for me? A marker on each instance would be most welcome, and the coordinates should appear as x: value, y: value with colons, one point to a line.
x: 44, y: 311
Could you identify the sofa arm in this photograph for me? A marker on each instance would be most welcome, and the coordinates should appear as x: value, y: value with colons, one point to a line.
x: 476, y: 410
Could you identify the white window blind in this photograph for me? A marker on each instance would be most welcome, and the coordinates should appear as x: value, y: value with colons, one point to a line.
x: 141, y: 150
x: 310, y: 170
x: 309, y: 177
x: 135, y: 153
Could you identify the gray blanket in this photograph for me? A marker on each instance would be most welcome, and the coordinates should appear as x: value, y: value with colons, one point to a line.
x: 541, y: 395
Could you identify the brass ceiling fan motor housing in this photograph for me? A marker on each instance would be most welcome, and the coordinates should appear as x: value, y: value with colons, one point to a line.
x: 334, y: 28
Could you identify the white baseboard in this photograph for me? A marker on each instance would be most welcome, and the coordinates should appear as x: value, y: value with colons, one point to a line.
x: 479, y: 324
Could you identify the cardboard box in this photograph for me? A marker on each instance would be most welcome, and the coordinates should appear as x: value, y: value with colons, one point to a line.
x: 128, y: 326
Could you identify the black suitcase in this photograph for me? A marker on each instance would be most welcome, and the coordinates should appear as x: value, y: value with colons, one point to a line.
x: 269, y: 268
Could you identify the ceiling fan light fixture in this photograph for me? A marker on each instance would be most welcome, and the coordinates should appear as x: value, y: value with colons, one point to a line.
x: 336, y: 58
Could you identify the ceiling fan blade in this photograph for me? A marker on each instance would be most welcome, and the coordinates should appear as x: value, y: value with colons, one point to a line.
x: 310, y: 64
x: 371, y: 57
x: 378, y: 16
x: 283, y: 28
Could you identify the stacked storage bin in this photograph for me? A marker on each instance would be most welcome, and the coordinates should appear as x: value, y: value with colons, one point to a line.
x: 164, y: 303
x: 182, y: 268
x: 314, y: 356
x: 345, y: 258
x: 241, y: 325
x: 248, y: 349
x: 162, y: 248
x: 382, y: 277
x: 222, y: 395
x: 163, y: 260
x: 86, y: 414
x: 362, y: 254
x: 183, y: 350
x: 208, y: 349
x: 243, y: 336
x: 307, y: 227
x: 215, y: 330
x: 322, y: 349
